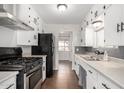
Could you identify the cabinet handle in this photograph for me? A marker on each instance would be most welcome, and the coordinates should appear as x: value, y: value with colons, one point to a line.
x: 90, y: 71
x: 122, y: 28
x: 105, y: 86
x: 10, y: 86
x: 118, y: 26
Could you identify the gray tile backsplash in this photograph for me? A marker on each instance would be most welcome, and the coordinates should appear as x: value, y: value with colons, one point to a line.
x: 113, y: 52
x: 83, y: 49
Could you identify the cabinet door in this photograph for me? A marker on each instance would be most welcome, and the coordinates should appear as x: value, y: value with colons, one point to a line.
x: 121, y: 39
x: 91, y: 83
x: 91, y: 78
x: 89, y: 38
x: 100, y: 38
x: 23, y: 12
x: 27, y: 38
x: 105, y: 83
x: 76, y: 38
x: 23, y: 38
x: 82, y: 34
x: 111, y: 19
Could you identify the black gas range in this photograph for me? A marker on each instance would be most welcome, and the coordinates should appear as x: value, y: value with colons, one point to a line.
x: 29, y: 67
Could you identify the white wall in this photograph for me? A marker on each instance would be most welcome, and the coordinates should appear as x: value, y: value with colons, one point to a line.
x: 7, y: 37
x: 56, y: 29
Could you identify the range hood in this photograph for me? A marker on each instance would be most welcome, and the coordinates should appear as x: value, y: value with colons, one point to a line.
x: 10, y: 21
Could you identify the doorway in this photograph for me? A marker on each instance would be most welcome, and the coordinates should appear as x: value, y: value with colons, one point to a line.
x: 65, y: 46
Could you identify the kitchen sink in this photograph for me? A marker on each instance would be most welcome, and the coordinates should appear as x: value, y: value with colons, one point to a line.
x: 92, y: 58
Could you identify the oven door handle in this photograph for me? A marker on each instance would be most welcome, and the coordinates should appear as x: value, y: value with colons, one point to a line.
x: 28, y: 75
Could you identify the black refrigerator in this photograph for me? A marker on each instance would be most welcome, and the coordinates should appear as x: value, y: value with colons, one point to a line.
x: 45, y: 47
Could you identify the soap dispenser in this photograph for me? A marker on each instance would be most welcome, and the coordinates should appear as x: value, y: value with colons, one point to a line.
x: 105, y: 56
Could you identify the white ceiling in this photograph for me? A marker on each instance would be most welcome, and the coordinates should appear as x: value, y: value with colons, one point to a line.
x: 73, y: 15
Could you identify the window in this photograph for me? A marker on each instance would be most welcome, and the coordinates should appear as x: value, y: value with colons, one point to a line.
x: 64, y: 45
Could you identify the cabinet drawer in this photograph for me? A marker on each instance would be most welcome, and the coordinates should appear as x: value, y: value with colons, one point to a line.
x: 9, y: 84
x: 105, y: 83
x: 91, y: 72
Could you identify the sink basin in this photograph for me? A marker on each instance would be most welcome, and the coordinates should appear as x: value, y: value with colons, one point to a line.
x: 92, y: 58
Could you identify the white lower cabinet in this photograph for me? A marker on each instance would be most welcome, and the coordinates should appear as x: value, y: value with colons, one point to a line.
x: 76, y: 66
x: 91, y: 83
x: 95, y: 79
x: 91, y: 78
x: 8, y: 84
x: 105, y: 83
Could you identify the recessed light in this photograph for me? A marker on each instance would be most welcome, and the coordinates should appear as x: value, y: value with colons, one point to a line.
x: 62, y: 7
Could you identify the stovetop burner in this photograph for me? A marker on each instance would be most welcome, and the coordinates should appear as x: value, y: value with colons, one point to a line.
x: 27, y: 62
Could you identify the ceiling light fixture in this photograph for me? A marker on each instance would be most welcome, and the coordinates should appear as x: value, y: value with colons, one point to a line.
x: 62, y: 7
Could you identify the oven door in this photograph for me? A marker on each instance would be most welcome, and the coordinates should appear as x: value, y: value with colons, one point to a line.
x: 33, y: 78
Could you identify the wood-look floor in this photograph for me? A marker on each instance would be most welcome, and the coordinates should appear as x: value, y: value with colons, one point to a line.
x: 64, y: 78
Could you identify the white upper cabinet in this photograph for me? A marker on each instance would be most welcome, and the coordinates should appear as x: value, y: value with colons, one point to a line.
x: 100, y: 38
x: 112, y: 19
x: 27, y: 38
x: 99, y: 32
x: 23, y: 12
x: 27, y: 14
x: 121, y: 23
x: 92, y: 37
x: 82, y: 36
x: 76, y: 38
x: 89, y: 36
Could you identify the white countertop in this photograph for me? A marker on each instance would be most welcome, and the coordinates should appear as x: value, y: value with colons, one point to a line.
x: 111, y: 69
x: 4, y: 75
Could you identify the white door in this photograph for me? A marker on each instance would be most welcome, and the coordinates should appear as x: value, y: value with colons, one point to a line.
x: 64, y: 46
